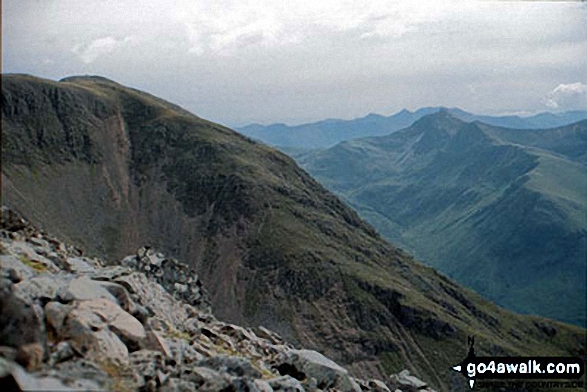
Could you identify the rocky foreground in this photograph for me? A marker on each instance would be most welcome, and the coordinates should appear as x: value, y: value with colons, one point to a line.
x: 70, y: 322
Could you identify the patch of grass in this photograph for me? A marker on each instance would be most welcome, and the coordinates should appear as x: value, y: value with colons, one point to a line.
x: 224, y: 349
x: 39, y: 267
x: 174, y: 333
x: 391, y: 362
x: 266, y: 374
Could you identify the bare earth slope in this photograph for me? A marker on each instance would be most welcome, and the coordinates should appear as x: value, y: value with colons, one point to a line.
x: 110, y: 168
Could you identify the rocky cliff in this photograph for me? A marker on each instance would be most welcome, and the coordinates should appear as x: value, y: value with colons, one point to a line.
x: 110, y: 169
x: 70, y: 322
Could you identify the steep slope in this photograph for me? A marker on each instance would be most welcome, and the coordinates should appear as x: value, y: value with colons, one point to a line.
x: 77, y: 324
x: 499, y: 210
x: 111, y: 168
x: 327, y: 133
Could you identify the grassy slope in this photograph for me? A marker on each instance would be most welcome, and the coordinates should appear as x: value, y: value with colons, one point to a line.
x: 113, y: 168
x: 502, y: 211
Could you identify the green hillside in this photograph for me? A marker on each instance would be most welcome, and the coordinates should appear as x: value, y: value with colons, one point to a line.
x: 499, y: 210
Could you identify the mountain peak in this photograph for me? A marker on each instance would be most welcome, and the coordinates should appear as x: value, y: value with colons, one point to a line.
x: 441, y: 120
x: 403, y: 112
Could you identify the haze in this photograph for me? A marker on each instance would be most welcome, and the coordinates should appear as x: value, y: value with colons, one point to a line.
x: 237, y: 62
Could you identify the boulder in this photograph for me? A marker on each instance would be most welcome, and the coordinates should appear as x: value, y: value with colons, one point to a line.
x: 15, y: 269
x: 84, y: 288
x: 56, y: 313
x: 44, y: 288
x: 302, y: 364
x: 234, y: 366
x: 285, y: 384
x: 28, y: 252
x: 100, y: 329
x: 21, y: 322
x: 152, y: 295
x: 406, y: 382
x: 378, y: 386
x: 78, y: 265
x: 15, y: 378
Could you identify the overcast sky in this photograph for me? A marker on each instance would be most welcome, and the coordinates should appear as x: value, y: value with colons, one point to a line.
x: 237, y: 62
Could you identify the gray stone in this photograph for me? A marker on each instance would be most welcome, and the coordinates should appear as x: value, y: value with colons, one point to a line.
x: 406, y: 382
x: 264, y: 333
x: 12, y: 220
x: 27, y: 251
x: 209, y: 380
x: 122, y: 296
x: 21, y: 322
x: 378, y: 386
x: 285, y: 384
x: 262, y: 386
x: 236, y: 332
x: 307, y: 363
x: 26, y: 381
x: 84, y: 288
x: 62, y: 352
x: 150, y: 257
x: 16, y: 268
x: 78, y: 265
x: 235, y: 366
x: 112, y: 273
x: 153, y: 295
x: 101, y: 329
x: 44, y: 288
x: 40, y: 243
x: 56, y: 314
x: 179, y: 385
x: 80, y: 374
x: 146, y: 364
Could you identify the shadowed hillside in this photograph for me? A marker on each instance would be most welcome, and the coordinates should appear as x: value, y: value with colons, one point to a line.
x: 110, y: 168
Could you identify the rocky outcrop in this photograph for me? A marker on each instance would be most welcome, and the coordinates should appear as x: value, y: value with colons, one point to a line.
x: 70, y: 322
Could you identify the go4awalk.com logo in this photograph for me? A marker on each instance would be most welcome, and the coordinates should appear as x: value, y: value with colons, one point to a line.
x: 560, y: 371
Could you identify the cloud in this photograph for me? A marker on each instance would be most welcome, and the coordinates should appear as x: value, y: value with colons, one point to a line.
x: 88, y: 53
x: 568, y: 97
x: 238, y: 61
x: 224, y: 28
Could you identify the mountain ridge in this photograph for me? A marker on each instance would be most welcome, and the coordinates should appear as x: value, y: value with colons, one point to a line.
x: 326, y: 133
x: 430, y: 190
x: 111, y: 169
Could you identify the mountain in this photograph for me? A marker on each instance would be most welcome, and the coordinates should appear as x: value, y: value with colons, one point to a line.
x: 499, y: 210
x: 110, y: 169
x: 324, y: 134
x: 137, y: 328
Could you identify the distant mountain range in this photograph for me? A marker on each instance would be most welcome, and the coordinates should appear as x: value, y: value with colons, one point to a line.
x: 110, y: 169
x: 327, y: 133
x: 499, y: 210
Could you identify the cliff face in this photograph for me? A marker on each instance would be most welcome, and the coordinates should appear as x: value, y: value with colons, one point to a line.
x: 110, y: 168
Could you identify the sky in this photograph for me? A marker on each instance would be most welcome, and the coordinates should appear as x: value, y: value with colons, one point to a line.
x: 237, y: 62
